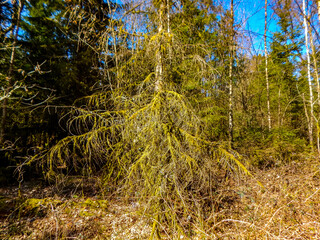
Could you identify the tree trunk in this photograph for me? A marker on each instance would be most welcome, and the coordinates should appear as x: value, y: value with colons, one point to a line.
x: 231, y: 77
x: 309, y: 75
x: 14, y: 35
x: 319, y: 9
x: 279, y: 106
x: 306, y: 111
x: 266, y: 60
x: 159, y: 57
x: 316, y: 76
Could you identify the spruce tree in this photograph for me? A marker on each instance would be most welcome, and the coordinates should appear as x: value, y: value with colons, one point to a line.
x: 285, y: 49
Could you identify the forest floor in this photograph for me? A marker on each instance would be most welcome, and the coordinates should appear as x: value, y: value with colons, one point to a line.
x: 288, y: 208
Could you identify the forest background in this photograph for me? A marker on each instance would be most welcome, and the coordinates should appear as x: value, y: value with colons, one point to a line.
x: 161, y: 94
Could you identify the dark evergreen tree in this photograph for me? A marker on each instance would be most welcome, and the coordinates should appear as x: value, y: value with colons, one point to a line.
x: 285, y: 50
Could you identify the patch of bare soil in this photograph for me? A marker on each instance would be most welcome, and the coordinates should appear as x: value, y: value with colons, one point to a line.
x: 288, y: 208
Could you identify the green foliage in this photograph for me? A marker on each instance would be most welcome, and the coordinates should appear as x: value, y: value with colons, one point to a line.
x: 163, y: 146
x: 278, y: 147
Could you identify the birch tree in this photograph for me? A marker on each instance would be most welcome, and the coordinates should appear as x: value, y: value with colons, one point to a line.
x: 319, y: 9
x: 316, y: 77
x: 310, y: 125
x: 266, y: 62
x: 232, y: 49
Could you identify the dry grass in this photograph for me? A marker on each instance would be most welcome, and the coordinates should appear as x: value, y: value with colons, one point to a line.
x: 289, y: 208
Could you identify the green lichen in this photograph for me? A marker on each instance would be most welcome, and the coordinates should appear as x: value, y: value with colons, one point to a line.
x: 38, y: 207
x: 102, y: 204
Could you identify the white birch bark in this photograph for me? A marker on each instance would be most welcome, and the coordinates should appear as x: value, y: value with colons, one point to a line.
x: 230, y: 117
x: 266, y: 61
x: 319, y: 9
x: 310, y: 127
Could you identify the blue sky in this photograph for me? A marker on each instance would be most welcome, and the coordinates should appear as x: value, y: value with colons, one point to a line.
x: 251, y: 13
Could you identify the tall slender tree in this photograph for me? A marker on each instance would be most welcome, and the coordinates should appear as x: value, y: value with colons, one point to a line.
x: 231, y: 59
x: 266, y: 62
x: 316, y: 78
x: 306, y: 32
x: 319, y: 9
